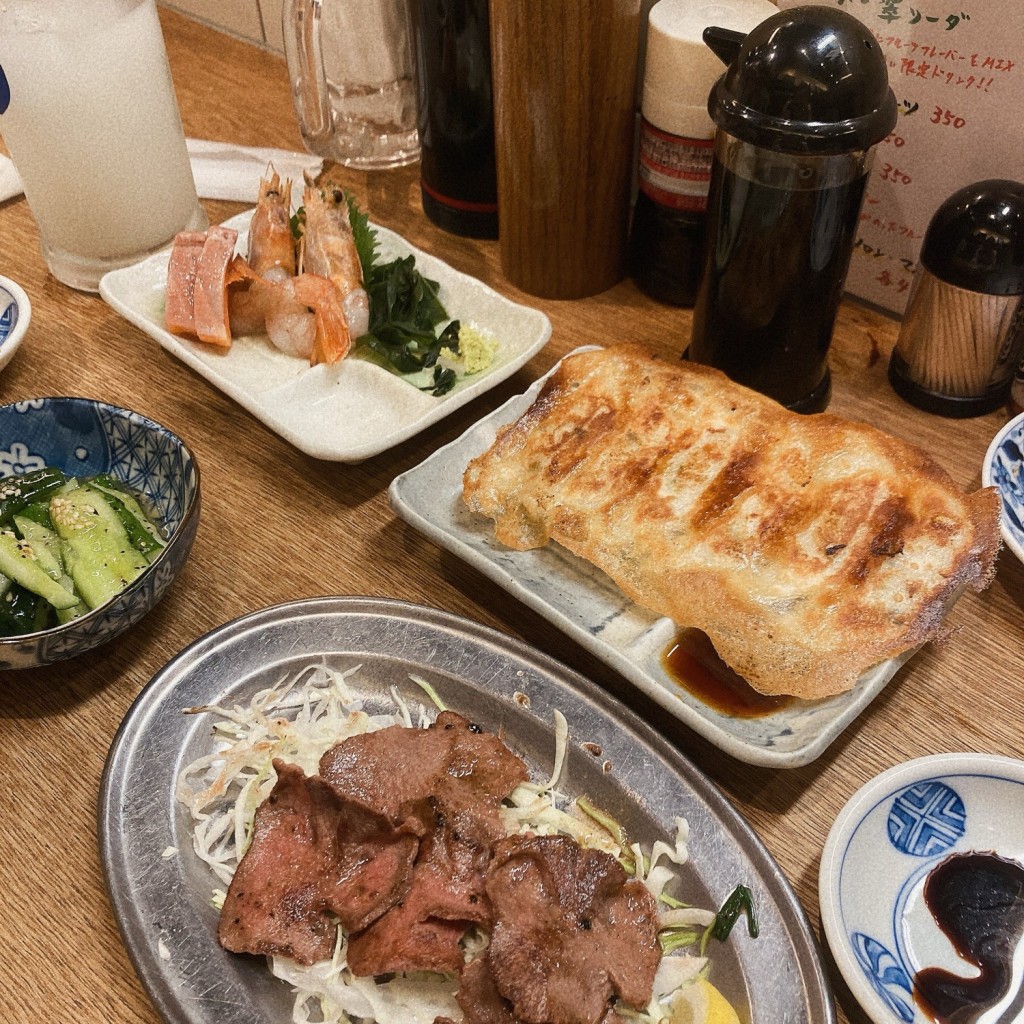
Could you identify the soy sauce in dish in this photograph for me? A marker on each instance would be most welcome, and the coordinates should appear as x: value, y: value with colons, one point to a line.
x: 977, y: 899
x: 693, y: 664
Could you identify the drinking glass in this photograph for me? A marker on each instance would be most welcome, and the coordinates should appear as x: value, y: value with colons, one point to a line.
x: 353, y: 80
x: 89, y: 116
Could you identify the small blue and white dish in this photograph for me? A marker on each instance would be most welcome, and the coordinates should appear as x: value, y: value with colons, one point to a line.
x: 15, y: 314
x: 942, y: 821
x: 1003, y: 468
x: 84, y: 437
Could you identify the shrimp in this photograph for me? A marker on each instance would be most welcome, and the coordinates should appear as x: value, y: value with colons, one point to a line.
x: 333, y: 338
x: 329, y: 250
x: 271, y: 242
x: 301, y: 315
x: 270, y: 258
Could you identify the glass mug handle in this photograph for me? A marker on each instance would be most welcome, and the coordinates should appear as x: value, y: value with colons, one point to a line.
x: 301, y: 23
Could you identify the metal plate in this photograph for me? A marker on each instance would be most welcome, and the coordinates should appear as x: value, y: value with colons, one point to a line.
x: 162, y: 903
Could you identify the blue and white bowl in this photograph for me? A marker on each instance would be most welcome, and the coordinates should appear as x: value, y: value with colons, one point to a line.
x: 15, y: 314
x: 883, y: 846
x: 1004, y: 469
x: 84, y: 437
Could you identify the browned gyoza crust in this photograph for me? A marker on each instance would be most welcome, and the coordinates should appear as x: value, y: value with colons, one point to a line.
x: 809, y: 548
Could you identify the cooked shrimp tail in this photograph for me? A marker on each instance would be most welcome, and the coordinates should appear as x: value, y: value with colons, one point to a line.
x: 333, y: 340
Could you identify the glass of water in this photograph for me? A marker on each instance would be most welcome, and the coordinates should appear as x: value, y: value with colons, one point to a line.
x: 89, y: 115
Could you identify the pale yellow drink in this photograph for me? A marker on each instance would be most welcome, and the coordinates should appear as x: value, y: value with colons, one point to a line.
x: 94, y: 130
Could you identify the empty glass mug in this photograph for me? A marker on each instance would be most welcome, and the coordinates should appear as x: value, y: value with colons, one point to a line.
x: 353, y: 80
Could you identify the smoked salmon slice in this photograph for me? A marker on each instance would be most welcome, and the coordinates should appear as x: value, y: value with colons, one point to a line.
x: 210, y: 305
x: 181, y: 281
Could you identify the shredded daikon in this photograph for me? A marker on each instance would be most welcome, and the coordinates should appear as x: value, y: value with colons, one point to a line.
x: 303, y: 716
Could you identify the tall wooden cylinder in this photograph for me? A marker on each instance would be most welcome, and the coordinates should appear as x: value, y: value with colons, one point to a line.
x: 565, y: 88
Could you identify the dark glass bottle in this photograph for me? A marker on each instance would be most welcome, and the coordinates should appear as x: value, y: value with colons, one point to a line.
x: 774, y: 275
x: 456, y: 118
x: 803, y: 103
x: 666, y: 242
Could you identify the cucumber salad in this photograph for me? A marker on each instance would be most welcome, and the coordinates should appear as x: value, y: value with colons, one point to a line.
x: 67, y: 546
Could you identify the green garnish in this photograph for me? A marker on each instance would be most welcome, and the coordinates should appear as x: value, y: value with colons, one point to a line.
x: 444, y: 380
x: 614, y: 829
x: 365, y: 237
x: 739, y: 901
x: 429, y: 691
x: 677, y: 938
x: 404, y: 309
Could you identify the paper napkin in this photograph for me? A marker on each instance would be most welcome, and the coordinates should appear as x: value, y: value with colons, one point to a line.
x: 221, y: 170
x: 10, y: 180
x: 226, y: 171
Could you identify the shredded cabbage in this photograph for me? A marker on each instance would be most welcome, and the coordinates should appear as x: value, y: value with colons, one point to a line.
x: 300, y: 718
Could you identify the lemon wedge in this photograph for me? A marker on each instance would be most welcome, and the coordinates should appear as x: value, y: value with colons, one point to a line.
x: 699, y: 1002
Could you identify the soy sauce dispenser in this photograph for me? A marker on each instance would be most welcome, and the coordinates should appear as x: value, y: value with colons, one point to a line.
x: 798, y: 112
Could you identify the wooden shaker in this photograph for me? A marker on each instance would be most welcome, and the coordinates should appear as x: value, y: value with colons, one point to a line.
x: 565, y: 90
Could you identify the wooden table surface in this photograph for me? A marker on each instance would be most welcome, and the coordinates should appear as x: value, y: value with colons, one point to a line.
x: 62, y: 956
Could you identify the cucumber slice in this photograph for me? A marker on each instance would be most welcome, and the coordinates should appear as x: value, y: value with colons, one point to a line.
x: 19, y: 561
x: 95, y: 546
x: 18, y: 491
x: 22, y: 612
x: 45, y: 543
x: 141, y: 530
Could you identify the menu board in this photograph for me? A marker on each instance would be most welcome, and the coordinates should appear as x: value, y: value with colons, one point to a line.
x: 957, y: 69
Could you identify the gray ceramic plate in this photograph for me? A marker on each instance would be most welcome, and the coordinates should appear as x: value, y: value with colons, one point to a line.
x: 161, y: 903
x: 584, y: 603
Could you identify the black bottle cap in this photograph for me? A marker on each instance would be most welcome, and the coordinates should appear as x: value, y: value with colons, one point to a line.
x: 807, y: 80
x: 975, y: 239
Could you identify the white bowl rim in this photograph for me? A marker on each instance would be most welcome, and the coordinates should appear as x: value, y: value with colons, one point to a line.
x: 884, y: 784
x: 13, y: 340
x: 986, y: 479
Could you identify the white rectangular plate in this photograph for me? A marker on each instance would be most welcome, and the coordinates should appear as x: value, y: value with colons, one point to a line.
x: 583, y: 602
x: 351, y: 410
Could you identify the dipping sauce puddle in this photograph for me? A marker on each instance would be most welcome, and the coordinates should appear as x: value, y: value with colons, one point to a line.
x: 693, y: 664
x: 977, y: 899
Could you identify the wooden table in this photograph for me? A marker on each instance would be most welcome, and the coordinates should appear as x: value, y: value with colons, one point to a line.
x: 62, y: 956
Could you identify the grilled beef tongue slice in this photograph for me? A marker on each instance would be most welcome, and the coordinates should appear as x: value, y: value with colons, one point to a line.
x: 314, y: 853
x: 454, y: 761
x: 570, y: 931
x: 478, y: 997
x: 460, y: 774
x: 482, y: 1003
